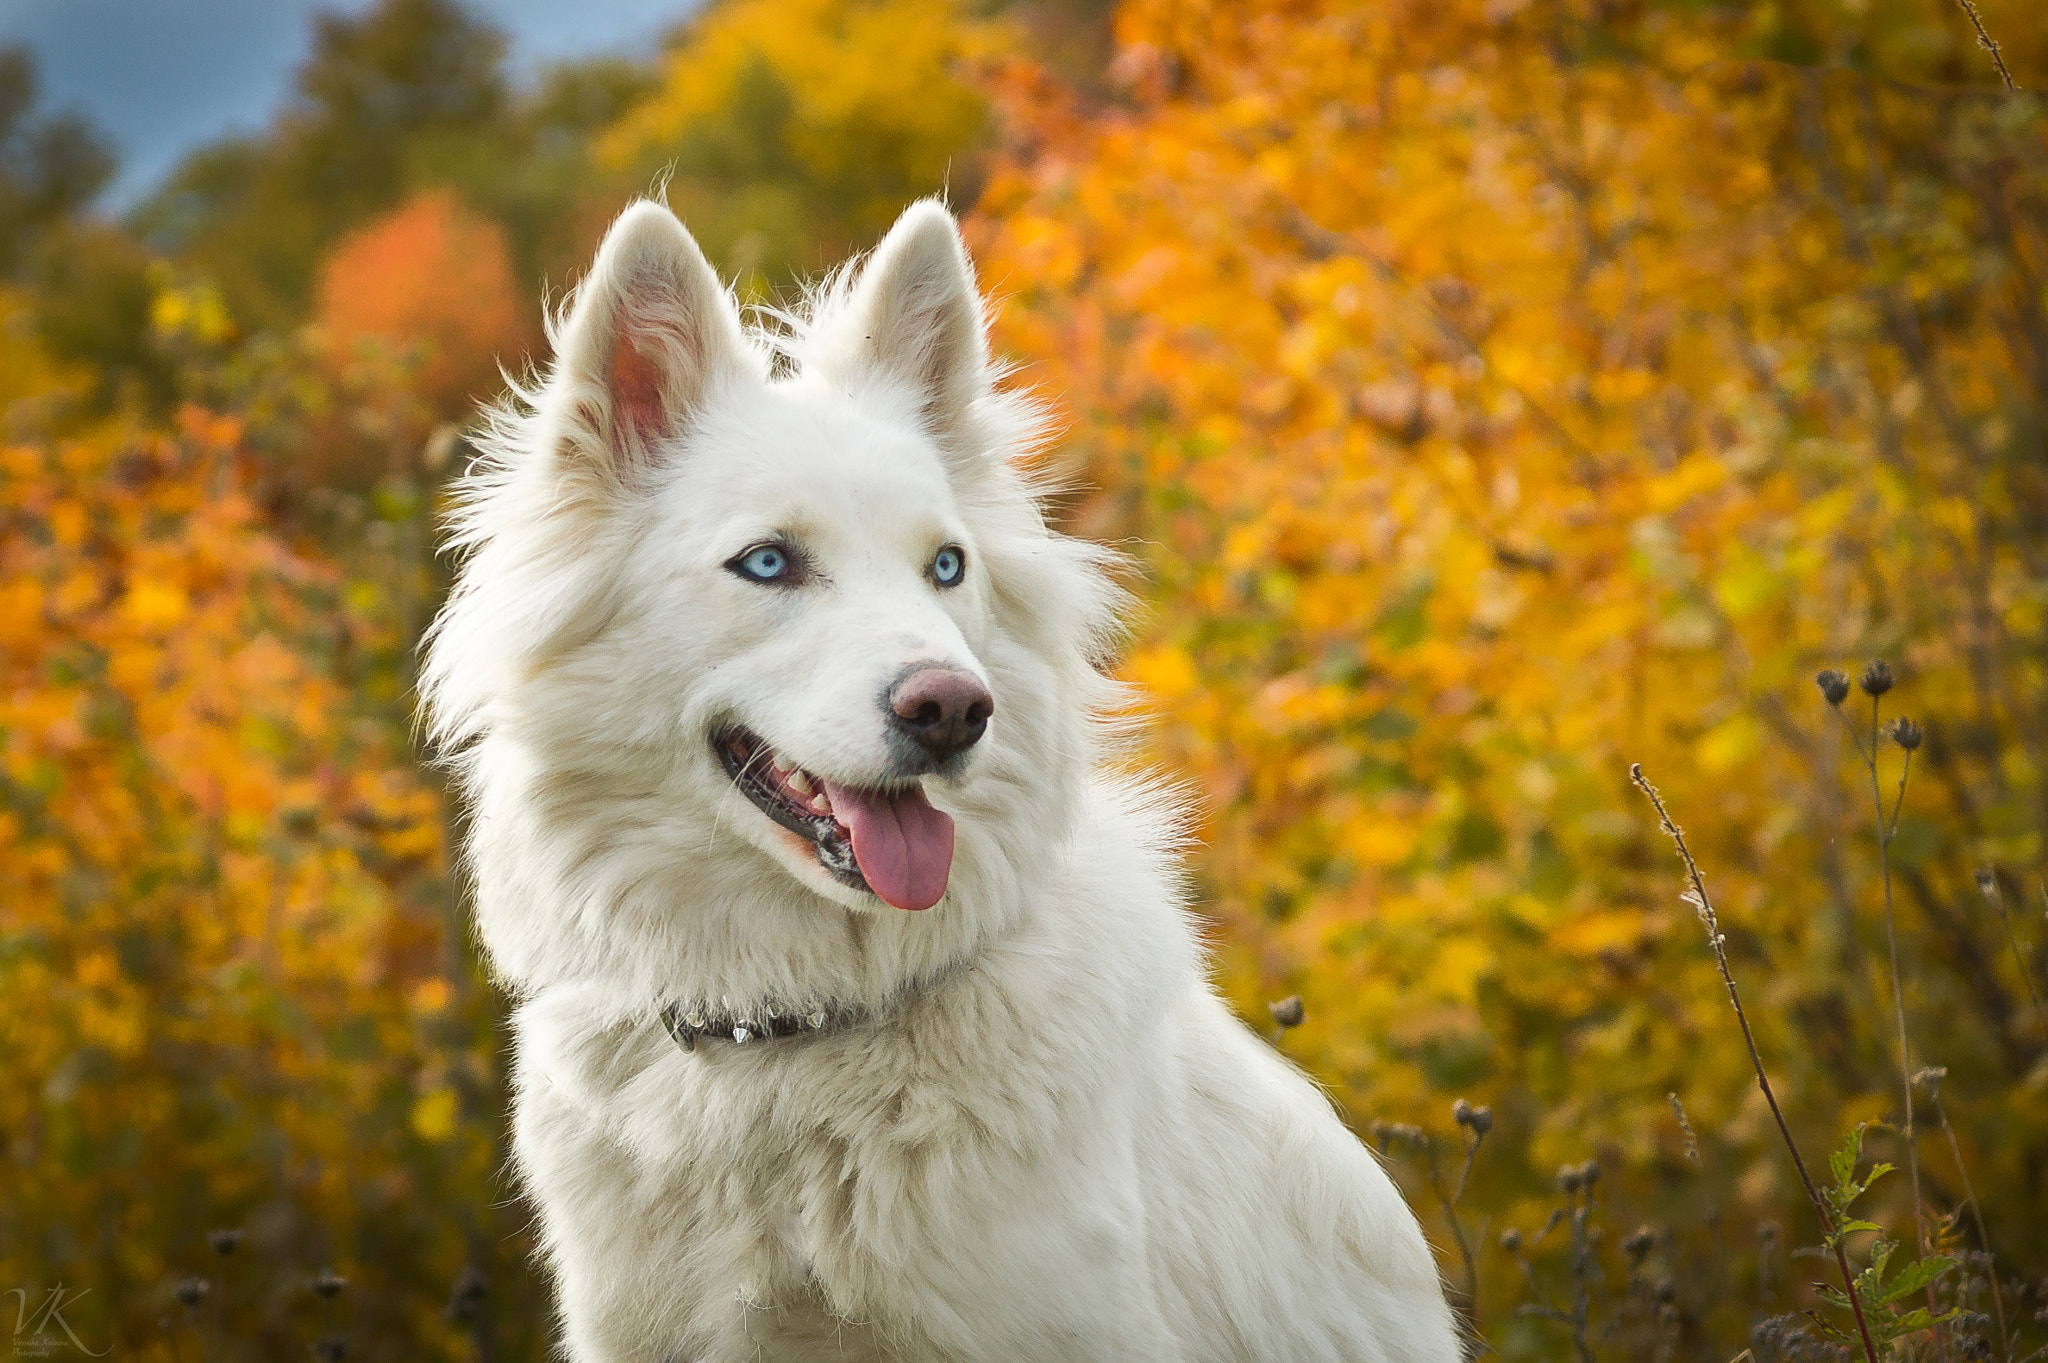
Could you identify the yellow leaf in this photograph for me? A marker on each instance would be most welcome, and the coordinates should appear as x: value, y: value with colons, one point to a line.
x: 154, y: 604
x: 433, y: 1115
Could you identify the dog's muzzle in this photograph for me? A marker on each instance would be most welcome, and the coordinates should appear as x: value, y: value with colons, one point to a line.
x: 887, y: 840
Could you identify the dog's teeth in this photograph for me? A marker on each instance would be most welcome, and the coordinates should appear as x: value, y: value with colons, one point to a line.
x: 740, y: 1034
x: 817, y: 1020
x: 800, y: 782
x: 695, y: 1020
x: 821, y: 805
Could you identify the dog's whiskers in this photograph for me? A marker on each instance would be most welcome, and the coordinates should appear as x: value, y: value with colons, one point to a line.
x: 747, y: 768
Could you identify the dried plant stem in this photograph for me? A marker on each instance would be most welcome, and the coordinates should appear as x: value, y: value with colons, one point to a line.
x: 1573, y: 1213
x: 1449, y: 1202
x: 1970, y: 1196
x: 1987, y: 882
x: 1887, y: 829
x: 1692, y: 1141
x: 1985, y: 41
x: 1697, y: 897
x: 1582, y: 1273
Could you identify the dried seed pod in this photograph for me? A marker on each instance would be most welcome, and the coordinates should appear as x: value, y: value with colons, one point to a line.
x: 1511, y: 1240
x: 329, y: 1285
x: 1877, y: 678
x: 1287, y: 1012
x: 1907, y: 733
x: 224, y: 1242
x: 1833, y: 686
x: 191, y: 1291
x: 1478, y: 1119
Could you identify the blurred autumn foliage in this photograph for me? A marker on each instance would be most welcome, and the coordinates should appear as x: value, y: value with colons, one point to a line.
x: 434, y: 278
x: 790, y: 133
x: 224, y: 894
x: 1503, y: 394
x: 1493, y: 393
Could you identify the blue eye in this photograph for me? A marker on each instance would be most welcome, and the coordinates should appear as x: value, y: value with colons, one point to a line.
x: 949, y: 565
x: 763, y: 563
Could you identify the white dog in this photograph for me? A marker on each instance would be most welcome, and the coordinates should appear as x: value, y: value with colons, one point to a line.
x: 860, y: 1015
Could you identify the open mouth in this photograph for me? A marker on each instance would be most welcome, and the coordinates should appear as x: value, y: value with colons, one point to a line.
x: 888, y: 841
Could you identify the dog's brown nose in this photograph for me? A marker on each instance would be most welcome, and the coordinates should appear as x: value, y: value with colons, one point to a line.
x: 944, y: 709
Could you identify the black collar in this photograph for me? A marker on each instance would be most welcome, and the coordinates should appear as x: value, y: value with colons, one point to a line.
x: 687, y: 1026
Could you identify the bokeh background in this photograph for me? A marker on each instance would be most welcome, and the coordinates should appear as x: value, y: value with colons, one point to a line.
x: 1489, y: 394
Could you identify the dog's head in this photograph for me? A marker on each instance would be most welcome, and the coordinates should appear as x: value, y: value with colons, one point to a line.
x: 712, y: 613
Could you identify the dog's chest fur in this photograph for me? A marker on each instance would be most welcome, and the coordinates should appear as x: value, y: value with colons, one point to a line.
x: 809, y: 1197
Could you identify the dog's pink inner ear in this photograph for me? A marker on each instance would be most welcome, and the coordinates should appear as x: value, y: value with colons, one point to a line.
x: 636, y: 382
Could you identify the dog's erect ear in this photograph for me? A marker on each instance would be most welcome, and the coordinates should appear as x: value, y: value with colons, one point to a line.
x: 651, y: 334
x: 919, y: 320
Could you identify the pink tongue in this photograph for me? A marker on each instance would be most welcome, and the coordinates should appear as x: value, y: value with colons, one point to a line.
x: 903, y: 845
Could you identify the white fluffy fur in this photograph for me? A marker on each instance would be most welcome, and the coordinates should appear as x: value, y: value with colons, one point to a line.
x: 1055, y: 1143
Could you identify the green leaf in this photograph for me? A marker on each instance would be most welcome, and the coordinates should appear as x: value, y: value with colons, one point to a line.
x: 1827, y: 1329
x: 1842, y: 1164
x: 1913, y: 1277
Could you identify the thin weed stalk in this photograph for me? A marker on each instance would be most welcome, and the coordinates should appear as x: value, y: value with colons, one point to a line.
x: 1877, y: 679
x: 1692, y: 1141
x: 1572, y: 1181
x: 1475, y: 1122
x: 1985, y: 41
x: 1582, y: 1267
x: 1987, y: 884
x: 1697, y: 897
x: 1930, y: 1079
x: 1449, y: 1203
